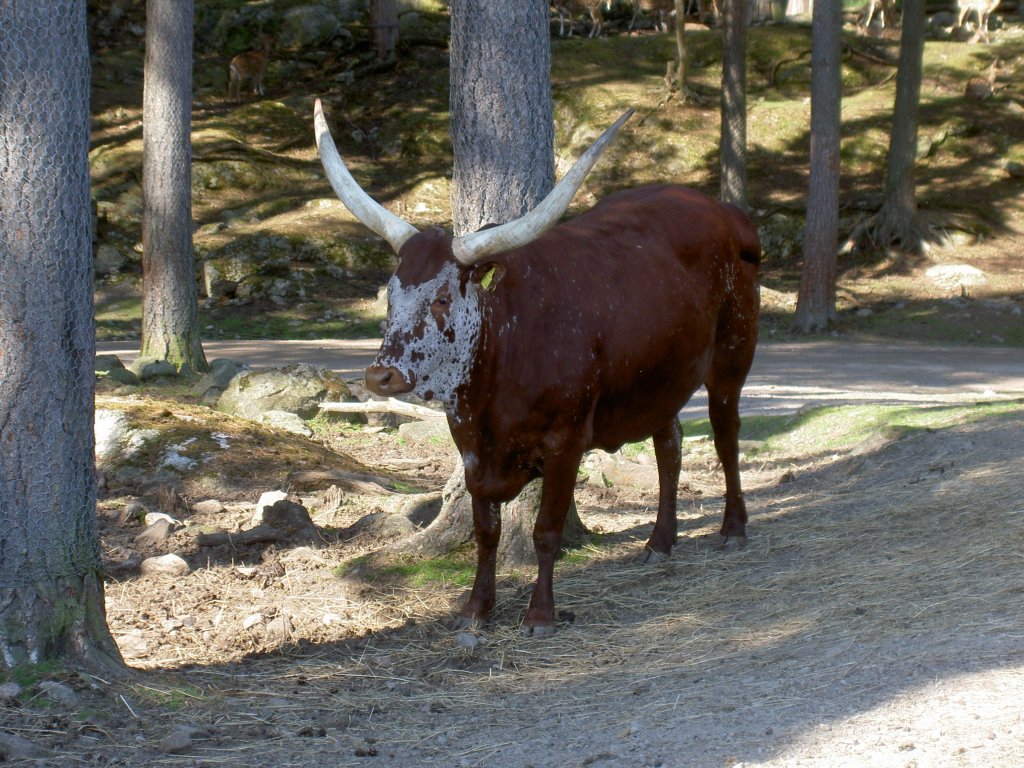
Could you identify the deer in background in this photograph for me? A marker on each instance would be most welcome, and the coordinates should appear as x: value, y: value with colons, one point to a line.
x: 661, y: 9
x: 251, y: 65
x: 983, y: 8
x: 886, y: 10
x: 568, y: 8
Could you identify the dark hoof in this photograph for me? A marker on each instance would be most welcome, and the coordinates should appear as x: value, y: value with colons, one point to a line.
x: 650, y: 557
x: 538, y: 631
x: 731, y: 542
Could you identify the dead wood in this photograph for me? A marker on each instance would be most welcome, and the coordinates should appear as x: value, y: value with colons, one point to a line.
x: 391, y: 405
x: 316, y: 479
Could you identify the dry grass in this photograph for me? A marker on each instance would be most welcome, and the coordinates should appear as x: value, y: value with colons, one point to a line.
x: 864, y: 577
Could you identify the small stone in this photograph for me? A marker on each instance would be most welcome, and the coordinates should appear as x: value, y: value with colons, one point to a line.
x: 170, y: 564
x: 152, y: 518
x: 252, y: 620
x: 134, y: 510
x: 467, y: 640
x: 132, y: 645
x: 208, y: 507
x: 280, y: 628
x: 175, y: 742
x: 59, y: 692
x: 12, y: 747
x: 267, y: 499
x: 9, y: 691
x: 155, y: 534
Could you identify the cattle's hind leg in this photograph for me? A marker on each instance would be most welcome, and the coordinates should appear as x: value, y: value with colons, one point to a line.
x: 723, y: 409
x: 668, y: 451
x: 728, y: 372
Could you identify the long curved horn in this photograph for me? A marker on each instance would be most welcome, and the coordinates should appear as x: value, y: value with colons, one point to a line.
x: 372, y: 214
x: 469, y: 249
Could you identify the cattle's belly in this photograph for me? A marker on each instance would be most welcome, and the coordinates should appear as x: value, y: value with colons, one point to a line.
x: 653, y: 400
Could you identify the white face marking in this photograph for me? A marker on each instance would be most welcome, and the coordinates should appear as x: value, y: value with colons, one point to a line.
x: 432, y: 332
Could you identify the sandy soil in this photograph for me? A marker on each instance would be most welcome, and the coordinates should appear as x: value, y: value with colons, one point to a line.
x: 875, y: 617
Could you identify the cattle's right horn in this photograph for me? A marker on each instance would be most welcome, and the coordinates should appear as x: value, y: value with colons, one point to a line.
x: 372, y: 214
x: 471, y: 248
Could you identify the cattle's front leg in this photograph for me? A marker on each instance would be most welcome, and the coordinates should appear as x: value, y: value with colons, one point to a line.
x: 559, y: 481
x: 668, y: 451
x: 487, y: 531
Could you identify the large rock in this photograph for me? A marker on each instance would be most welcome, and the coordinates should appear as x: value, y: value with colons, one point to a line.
x: 212, y: 385
x: 298, y: 389
x: 109, y: 260
x: 955, y: 277
x: 111, y: 368
x: 307, y: 26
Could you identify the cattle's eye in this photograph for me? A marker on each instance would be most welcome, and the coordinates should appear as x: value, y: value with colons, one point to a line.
x: 441, y: 301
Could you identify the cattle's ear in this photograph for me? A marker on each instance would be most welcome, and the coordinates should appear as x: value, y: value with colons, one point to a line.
x: 488, y: 275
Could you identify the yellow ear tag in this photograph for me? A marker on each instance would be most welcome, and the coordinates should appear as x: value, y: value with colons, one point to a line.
x: 487, y: 281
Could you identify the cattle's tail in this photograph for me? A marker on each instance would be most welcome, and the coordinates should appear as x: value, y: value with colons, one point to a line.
x: 746, y: 233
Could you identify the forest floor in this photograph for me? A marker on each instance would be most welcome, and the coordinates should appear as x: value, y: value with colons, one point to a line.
x: 874, y: 617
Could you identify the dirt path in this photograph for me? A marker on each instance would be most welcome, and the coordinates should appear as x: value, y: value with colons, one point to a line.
x: 785, y: 376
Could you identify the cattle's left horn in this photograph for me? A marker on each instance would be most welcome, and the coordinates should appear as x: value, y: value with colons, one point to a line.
x: 471, y: 248
x: 372, y: 214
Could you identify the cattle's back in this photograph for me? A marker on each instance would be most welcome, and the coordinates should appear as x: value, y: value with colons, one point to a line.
x: 620, y: 303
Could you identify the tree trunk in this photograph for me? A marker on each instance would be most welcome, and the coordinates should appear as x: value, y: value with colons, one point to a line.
x: 170, y: 307
x: 502, y: 135
x: 501, y: 111
x: 816, y: 305
x: 51, y: 586
x: 899, y: 222
x: 384, y: 21
x: 734, y: 102
x: 680, y: 70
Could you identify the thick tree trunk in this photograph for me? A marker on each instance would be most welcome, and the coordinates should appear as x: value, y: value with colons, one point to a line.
x: 453, y: 527
x: 501, y: 111
x: 503, y: 136
x: 734, y: 103
x: 816, y: 305
x: 51, y: 588
x: 899, y: 222
x: 170, y: 307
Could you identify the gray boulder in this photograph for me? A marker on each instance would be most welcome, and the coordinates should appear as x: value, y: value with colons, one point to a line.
x: 111, y: 367
x: 212, y: 385
x: 307, y: 26
x: 109, y: 260
x: 298, y: 389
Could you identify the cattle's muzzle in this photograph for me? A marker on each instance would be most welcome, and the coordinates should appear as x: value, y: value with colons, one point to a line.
x: 387, y: 380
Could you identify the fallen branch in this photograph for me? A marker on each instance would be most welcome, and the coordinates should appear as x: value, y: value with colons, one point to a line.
x: 391, y: 405
x: 312, y: 479
x: 261, y: 534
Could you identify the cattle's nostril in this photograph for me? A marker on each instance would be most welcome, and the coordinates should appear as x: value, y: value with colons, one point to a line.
x: 386, y: 380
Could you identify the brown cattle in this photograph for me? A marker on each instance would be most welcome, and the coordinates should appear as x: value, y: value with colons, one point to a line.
x: 546, y: 340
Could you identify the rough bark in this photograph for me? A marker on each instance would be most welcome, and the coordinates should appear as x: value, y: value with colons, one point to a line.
x: 816, y: 304
x: 503, y: 136
x: 170, y: 306
x: 734, y: 103
x: 501, y: 111
x: 899, y: 222
x: 51, y: 588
